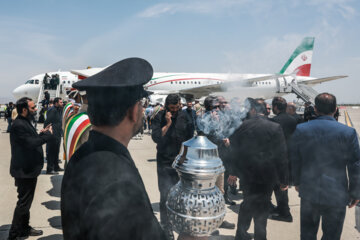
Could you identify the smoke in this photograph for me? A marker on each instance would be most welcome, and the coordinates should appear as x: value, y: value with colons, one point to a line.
x: 223, y: 123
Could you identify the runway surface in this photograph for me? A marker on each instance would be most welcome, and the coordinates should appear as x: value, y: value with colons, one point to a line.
x: 45, y: 210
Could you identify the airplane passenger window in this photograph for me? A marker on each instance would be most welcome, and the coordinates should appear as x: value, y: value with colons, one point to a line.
x: 68, y: 82
x: 183, y: 82
x: 171, y: 82
x: 64, y: 81
x: 179, y: 82
x: 192, y: 82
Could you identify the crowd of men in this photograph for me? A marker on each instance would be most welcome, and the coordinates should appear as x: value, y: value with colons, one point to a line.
x: 103, y: 195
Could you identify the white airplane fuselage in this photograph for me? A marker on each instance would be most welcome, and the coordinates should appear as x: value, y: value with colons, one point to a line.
x: 164, y: 83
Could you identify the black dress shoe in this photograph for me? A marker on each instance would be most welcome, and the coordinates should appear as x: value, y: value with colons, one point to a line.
x: 244, y: 236
x: 59, y: 169
x: 228, y: 200
x: 280, y: 217
x: 215, y: 233
x: 225, y: 224
x: 34, y: 232
x: 52, y: 172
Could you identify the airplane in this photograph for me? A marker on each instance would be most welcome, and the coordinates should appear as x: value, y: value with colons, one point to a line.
x: 294, y: 77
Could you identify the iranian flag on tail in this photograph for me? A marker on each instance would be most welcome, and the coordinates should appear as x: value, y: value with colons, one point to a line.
x: 300, y: 61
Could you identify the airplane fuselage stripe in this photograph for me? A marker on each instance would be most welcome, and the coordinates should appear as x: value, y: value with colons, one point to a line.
x: 182, y: 79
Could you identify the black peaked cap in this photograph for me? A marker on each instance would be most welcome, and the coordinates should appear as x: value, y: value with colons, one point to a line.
x: 130, y: 72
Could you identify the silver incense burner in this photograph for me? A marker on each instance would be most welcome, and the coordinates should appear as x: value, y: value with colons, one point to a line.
x: 195, y: 205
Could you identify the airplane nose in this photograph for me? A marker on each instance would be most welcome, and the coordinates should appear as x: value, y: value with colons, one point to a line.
x: 17, y: 92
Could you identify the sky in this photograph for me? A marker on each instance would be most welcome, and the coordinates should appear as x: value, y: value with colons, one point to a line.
x: 223, y: 36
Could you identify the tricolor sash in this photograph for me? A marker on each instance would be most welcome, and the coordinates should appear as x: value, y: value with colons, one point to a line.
x: 75, y: 127
x: 68, y: 109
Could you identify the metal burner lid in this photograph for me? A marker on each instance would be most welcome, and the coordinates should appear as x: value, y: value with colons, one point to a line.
x: 199, y: 156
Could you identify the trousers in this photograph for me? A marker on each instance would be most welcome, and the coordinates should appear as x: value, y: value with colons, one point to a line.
x: 256, y: 205
x: 332, y: 219
x: 282, y: 200
x: 167, y: 178
x: 20, y: 223
x: 53, y: 148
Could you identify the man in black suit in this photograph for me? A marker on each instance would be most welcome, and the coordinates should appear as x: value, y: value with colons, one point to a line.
x: 259, y: 160
x: 54, y: 117
x: 291, y: 109
x: 288, y: 125
x: 27, y: 160
x: 169, y: 130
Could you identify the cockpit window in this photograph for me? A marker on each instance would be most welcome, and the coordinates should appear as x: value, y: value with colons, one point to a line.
x: 30, y: 81
x: 36, y: 81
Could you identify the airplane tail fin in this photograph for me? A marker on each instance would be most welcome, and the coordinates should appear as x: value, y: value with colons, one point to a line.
x: 300, y: 61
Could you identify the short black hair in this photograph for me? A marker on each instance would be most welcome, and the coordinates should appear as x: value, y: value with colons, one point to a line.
x: 260, y: 106
x: 109, y: 106
x: 280, y: 103
x: 325, y: 103
x: 209, y: 102
x: 22, y: 103
x: 172, y: 98
x: 56, y: 100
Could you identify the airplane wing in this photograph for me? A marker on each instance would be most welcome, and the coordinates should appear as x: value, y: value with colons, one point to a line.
x: 321, y: 80
x: 222, y: 87
x: 86, y: 72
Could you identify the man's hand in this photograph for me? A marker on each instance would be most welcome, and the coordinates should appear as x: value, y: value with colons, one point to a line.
x: 353, y: 202
x: 168, y: 116
x: 226, y: 142
x: 232, y: 180
x: 50, y: 129
x: 283, y: 187
x: 297, y: 188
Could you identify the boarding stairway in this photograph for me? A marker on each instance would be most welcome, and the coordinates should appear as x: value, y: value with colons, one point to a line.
x: 53, y: 94
x: 306, y: 93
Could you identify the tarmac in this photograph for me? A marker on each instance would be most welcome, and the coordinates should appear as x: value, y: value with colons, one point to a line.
x: 45, y: 210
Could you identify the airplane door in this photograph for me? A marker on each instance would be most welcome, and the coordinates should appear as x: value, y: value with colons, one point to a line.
x: 283, y: 86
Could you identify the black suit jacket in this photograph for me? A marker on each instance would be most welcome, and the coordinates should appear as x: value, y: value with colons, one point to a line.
x: 287, y: 122
x: 259, y: 152
x: 103, y: 195
x: 27, y: 158
x: 168, y: 146
x: 54, y: 116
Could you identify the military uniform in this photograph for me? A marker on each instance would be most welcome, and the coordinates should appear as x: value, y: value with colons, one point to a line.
x: 103, y: 195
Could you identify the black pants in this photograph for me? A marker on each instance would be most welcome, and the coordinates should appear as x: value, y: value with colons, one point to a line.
x: 9, y: 119
x: 52, y: 158
x: 167, y: 178
x: 256, y: 205
x: 282, y: 200
x: 332, y: 219
x: 20, y: 223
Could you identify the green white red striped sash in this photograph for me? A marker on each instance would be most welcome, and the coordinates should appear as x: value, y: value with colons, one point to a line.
x: 75, y: 127
x: 68, y: 109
